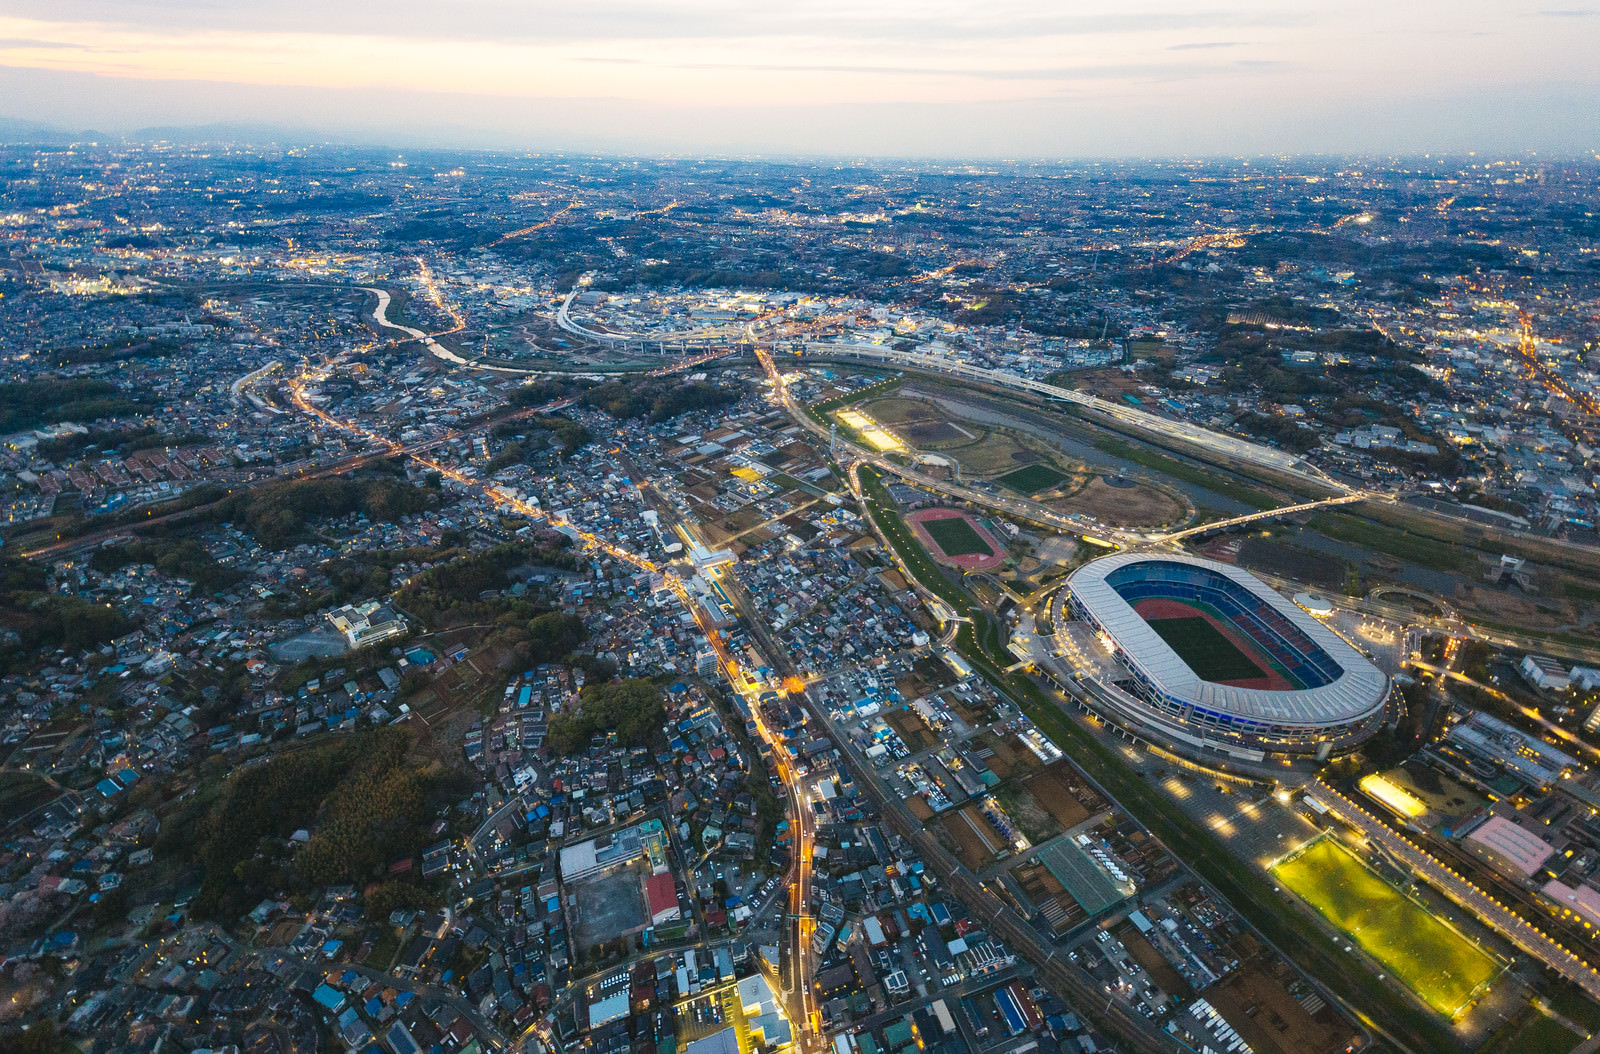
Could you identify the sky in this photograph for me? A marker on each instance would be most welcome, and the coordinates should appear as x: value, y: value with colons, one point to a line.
x: 895, y: 78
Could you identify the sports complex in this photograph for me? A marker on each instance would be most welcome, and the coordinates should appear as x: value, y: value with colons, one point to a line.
x: 1218, y: 663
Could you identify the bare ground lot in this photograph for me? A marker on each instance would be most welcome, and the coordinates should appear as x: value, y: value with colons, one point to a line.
x: 1036, y: 822
x: 1140, y: 505
x: 1156, y: 964
x: 898, y: 410
x: 976, y: 841
x: 911, y: 729
x: 1001, y: 755
x: 1258, y: 1005
x: 1051, y: 790
x: 607, y: 908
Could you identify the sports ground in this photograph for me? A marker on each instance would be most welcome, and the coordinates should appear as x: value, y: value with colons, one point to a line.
x: 1442, y: 967
x: 1215, y: 651
x: 956, y: 538
x: 1031, y: 480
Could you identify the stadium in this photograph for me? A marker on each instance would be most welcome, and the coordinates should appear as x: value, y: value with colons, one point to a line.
x: 1219, y: 664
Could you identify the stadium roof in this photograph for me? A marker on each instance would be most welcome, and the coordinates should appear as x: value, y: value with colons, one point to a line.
x: 1357, y: 692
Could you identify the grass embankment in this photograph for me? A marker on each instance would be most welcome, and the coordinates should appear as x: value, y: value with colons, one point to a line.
x: 1432, y: 553
x: 1246, y: 888
x: 1215, y: 480
x: 984, y: 637
x: 819, y: 411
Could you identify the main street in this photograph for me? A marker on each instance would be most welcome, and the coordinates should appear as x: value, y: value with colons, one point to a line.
x: 805, y: 1014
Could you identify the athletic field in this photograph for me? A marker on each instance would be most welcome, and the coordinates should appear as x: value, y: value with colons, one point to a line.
x: 957, y: 537
x: 1031, y: 480
x: 1212, y: 656
x: 1442, y: 967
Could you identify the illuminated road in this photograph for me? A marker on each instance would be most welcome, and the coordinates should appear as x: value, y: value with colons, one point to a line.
x: 574, y: 203
x: 1264, y: 514
x: 1526, y: 936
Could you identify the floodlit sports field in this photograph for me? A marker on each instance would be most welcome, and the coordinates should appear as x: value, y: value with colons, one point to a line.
x: 1430, y: 958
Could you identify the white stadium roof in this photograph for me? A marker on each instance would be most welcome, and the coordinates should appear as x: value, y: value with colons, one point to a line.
x: 1357, y: 693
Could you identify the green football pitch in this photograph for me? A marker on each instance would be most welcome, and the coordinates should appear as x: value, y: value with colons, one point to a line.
x: 1211, y: 655
x: 957, y: 537
x: 1031, y: 480
x: 1430, y: 958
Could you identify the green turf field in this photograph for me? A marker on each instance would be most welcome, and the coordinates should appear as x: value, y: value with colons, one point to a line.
x: 1430, y: 958
x: 957, y: 537
x: 1212, y: 656
x: 1031, y: 480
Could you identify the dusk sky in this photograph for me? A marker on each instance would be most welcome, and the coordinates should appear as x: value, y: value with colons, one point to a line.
x: 947, y: 78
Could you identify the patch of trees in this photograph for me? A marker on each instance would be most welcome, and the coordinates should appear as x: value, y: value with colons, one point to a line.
x: 1281, y: 430
x: 454, y: 587
x: 571, y: 435
x: 366, y: 574
x: 115, y: 352
x: 107, y: 440
x: 333, y: 201
x: 178, y: 557
x: 281, y: 514
x: 631, y: 708
x: 116, y: 442
x: 29, y: 404
x: 657, y: 401
x: 40, y: 1038
x: 567, y: 433
x: 374, y: 815
x: 33, y: 619
x: 397, y: 895
x: 540, y: 391
x: 371, y: 805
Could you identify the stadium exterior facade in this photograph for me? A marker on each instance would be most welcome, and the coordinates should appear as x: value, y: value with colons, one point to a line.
x: 1335, y: 697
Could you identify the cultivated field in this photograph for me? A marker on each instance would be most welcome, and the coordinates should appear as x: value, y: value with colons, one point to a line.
x: 1442, y: 967
x: 976, y: 840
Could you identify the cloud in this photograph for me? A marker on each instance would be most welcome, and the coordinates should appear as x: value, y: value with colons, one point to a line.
x: 1207, y: 45
x: 862, y: 21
